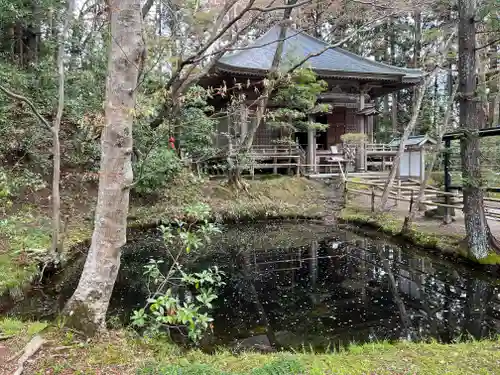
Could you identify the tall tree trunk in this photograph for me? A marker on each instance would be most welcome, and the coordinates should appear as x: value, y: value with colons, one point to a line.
x: 411, y: 124
x: 268, y: 89
x: 420, y: 91
x: 387, y: 56
x: 56, y: 145
x: 421, y: 193
x: 494, y: 115
x: 86, y: 310
x: 392, y: 42
x: 417, y: 45
x: 476, y: 225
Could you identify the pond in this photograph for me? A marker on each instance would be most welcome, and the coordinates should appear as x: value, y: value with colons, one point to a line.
x: 299, y: 284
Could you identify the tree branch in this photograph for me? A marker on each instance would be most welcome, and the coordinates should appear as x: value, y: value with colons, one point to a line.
x: 338, y: 44
x: 488, y: 44
x: 146, y: 8
x: 24, y: 99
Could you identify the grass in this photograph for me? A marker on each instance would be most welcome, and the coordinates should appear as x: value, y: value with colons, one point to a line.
x: 122, y: 352
x: 390, y: 224
x: 25, y: 236
x: 283, y: 197
x: 24, y: 240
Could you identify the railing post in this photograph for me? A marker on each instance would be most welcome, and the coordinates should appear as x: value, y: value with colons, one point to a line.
x: 373, y: 199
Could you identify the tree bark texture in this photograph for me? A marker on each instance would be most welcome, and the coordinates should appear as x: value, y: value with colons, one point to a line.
x: 394, y: 95
x: 87, y: 307
x: 494, y: 115
x: 476, y: 225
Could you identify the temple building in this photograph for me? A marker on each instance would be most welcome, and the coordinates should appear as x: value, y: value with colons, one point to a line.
x: 353, y: 84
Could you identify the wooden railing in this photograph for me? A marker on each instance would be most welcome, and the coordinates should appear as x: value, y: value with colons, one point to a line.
x: 401, y: 193
x: 379, y: 147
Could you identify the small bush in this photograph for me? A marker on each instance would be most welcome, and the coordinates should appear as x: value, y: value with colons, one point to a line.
x: 154, y: 173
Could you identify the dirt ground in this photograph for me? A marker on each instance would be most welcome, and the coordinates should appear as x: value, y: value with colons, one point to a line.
x: 426, y: 224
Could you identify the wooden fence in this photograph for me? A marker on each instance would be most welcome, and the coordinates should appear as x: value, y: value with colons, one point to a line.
x: 400, y: 193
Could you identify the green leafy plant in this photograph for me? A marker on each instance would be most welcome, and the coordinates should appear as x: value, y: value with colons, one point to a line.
x: 181, y: 300
x: 299, y: 90
x: 156, y: 170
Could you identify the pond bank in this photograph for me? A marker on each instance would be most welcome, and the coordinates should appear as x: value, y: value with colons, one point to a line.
x: 122, y: 352
x: 445, y: 240
x: 25, y: 232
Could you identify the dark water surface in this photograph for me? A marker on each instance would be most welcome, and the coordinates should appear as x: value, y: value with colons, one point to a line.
x: 303, y: 284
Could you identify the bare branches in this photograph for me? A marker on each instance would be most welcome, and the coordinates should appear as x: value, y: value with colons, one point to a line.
x: 30, y: 104
x: 281, y: 7
x: 338, y: 44
x: 491, y: 43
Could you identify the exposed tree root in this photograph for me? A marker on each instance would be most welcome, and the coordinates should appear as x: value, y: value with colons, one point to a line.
x: 492, y: 240
x: 33, y: 346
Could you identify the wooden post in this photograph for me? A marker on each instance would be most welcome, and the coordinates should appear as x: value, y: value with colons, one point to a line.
x: 275, y: 161
x: 361, y: 152
x: 373, y: 199
x: 311, y: 148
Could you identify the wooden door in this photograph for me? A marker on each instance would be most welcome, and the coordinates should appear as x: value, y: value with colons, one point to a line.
x: 336, y: 126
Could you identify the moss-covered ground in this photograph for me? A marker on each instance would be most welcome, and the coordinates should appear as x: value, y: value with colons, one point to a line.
x: 25, y: 232
x: 122, y: 352
x: 431, y: 235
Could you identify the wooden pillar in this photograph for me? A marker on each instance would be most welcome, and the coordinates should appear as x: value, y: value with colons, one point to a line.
x: 370, y: 129
x: 311, y: 148
x: 361, y: 151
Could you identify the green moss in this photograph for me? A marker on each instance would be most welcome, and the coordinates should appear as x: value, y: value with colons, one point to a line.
x: 357, y: 184
x: 9, y: 327
x: 25, y: 239
x: 391, y: 225
x: 492, y: 259
x: 137, y: 355
x: 479, y: 357
x: 285, y: 197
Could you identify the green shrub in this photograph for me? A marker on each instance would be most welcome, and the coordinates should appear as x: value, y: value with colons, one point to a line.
x: 156, y: 170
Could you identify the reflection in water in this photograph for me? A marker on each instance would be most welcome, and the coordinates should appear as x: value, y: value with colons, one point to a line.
x: 303, y: 285
x: 344, y: 289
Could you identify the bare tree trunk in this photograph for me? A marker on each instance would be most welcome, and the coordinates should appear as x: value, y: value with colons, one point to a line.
x: 476, y: 225
x: 268, y: 89
x: 394, y: 110
x: 56, y: 145
x: 86, y: 310
x: 420, y: 91
x: 494, y: 115
x: 421, y: 193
